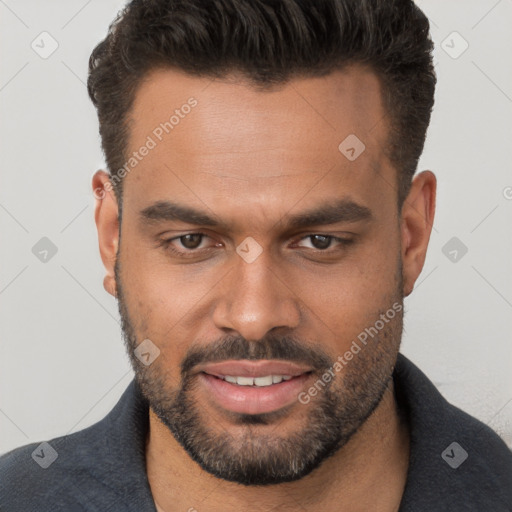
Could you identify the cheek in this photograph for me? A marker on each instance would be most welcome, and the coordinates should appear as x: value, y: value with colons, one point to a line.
x: 163, y: 291
x: 350, y: 297
x: 167, y: 303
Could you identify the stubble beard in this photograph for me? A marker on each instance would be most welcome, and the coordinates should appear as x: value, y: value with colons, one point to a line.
x: 258, y: 454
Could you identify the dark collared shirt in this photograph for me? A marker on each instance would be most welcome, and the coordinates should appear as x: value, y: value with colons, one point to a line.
x: 456, y: 462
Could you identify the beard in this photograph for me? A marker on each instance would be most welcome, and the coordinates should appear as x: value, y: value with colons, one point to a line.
x: 258, y: 454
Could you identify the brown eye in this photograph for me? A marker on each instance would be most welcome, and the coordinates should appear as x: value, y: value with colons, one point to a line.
x: 191, y: 241
x: 325, y: 243
x: 320, y: 241
x: 190, y: 245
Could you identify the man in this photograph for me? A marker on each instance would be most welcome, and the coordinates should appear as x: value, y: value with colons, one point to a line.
x: 260, y: 227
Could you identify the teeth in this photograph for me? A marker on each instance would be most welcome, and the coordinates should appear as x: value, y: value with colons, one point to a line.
x: 268, y: 380
x: 245, y: 381
x: 263, y: 381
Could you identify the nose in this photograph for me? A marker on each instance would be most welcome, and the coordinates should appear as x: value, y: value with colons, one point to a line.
x: 254, y: 299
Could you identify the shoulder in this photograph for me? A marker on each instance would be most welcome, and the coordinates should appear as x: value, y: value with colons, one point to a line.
x: 456, y: 460
x: 96, y: 469
x: 479, y: 457
x: 56, y: 473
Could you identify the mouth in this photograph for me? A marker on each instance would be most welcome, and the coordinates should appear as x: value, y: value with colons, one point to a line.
x: 254, y: 387
x: 265, y: 381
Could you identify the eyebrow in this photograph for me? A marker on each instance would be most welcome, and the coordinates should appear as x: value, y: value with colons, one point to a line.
x: 344, y: 210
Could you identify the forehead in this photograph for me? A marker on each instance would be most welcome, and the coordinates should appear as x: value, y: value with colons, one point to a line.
x: 214, y: 139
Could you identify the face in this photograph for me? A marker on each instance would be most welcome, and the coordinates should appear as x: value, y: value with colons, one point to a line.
x: 256, y: 256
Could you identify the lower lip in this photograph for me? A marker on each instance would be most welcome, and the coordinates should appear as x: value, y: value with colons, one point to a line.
x: 254, y: 399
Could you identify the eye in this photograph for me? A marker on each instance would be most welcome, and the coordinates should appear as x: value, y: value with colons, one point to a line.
x: 323, y: 242
x: 193, y: 245
x: 188, y: 245
x: 191, y: 240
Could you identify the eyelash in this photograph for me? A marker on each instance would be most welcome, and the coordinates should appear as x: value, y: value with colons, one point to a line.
x: 167, y: 244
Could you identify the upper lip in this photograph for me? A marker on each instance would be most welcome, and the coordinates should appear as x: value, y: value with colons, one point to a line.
x: 245, y: 368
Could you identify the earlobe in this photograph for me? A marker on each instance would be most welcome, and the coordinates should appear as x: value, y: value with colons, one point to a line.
x: 109, y: 284
x: 417, y: 218
x: 106, y: 215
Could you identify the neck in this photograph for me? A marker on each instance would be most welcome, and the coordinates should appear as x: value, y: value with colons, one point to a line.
x: 368, y: 473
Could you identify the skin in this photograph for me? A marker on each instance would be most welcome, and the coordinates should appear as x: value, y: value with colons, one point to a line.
x: 252, y: 158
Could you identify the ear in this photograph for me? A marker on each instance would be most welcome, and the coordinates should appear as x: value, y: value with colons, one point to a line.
x: 417, y: 217
x: 106, y: 216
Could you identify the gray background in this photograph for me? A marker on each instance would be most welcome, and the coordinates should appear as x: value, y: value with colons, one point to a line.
x: 62, y: 361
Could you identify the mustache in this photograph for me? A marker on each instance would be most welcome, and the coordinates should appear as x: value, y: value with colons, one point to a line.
x: 271, y: 347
